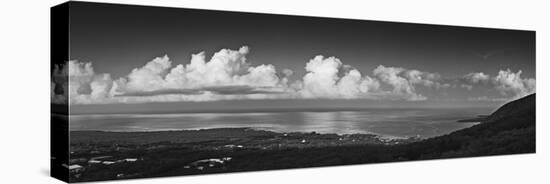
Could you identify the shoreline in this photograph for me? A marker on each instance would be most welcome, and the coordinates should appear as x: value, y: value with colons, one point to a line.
x: 380, y: 136
x: 102, y: 155
x: 478, y: 119
x: 83, y: 142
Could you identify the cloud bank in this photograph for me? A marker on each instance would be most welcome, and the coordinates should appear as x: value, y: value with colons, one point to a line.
x: 228, y: 76
x: 506, y: 82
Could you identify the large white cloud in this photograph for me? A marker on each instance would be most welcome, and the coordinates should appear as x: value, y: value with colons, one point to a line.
x: 101, y: 86
x: 510, y: 83
x: 225, y: 68
x: 227, y: 75
x: 150, y: 76
x: 330, y: 78
x: 506, y: 82
x: 322, y: 80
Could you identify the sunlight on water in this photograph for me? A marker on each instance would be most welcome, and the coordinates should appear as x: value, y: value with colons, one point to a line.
x: 384, y: 122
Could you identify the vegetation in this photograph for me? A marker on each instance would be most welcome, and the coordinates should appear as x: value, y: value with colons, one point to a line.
x: 509, y: 130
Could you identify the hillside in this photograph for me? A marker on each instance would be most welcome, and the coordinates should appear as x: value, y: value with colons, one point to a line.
x: 509, y: 130
x: 520, y: 107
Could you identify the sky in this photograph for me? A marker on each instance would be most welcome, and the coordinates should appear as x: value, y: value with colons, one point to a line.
x: 122, y: 57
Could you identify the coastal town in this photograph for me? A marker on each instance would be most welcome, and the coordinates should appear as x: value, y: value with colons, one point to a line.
x: 208, y: 150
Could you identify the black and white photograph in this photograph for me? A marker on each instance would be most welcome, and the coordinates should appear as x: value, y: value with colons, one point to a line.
x: 274, y: 91
x: 155, y: 91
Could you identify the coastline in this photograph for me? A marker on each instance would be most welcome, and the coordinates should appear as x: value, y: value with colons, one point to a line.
x: 129, y: 154
x: 477, y: 119
x: 273, y: 130
x: 101, y: 155
x: 209, y: 134
x: 393, y: 124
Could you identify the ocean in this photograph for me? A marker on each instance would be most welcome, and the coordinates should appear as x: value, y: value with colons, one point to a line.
x: 394, y: 123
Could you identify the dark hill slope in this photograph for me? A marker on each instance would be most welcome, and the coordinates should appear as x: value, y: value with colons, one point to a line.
x: 509, y: 130
x: 520, y: 107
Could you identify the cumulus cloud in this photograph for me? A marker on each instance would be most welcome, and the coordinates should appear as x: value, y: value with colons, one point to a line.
x: 227, y: 75
x: 150, y: 76
x: 321, y: 77
x: 510, y: 83
x: 423, y: 78
x: 400, y: 85
x: 59, y: 84
x: 225, y: 68
x: 101, y: 86
x: 330, y: 78
x: 506, y: 82
x: 322, y: 80
x: 470, y: 80
x: 476, y: 78
x: 85, y: 86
